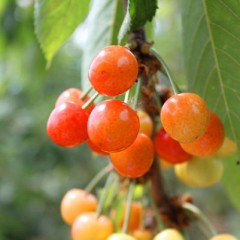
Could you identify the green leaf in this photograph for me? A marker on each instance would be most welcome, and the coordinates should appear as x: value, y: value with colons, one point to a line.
x: 100, y: 29
x: 55, y: 21
x: 138, y: 13
x: 211, y: 40
x: 231, y: 179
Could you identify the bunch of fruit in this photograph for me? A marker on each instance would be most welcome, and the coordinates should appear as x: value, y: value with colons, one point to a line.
x: 187, y: 137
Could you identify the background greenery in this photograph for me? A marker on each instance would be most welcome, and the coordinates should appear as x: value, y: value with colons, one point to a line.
x: 34, y: 173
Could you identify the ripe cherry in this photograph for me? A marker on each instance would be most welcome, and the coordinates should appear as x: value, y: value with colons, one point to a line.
x: 210, y: 142
x: 113, y: 126
x: 75, y: 202
x: 142, y: 234
x: 67, y: 125
x: 185, y: 117
x: 95, y: 148
x: 169, y: 149
x: 135, y: 218
x: 73, y: 95
x: 135, y: 160
x: 113, y: 70
x: 90, y: 226
x: 168, y: 234
x: 146, y: 123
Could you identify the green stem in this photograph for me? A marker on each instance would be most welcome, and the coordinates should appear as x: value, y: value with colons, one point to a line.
x: 90, y: 101
x: 129, y: 204
x: 174, y: 86
x: 104, y: 193
x: 198, y: 213
x: 126, y: 97
x: 137, y: 93
x: 86, y: 93
x: 92, y: 184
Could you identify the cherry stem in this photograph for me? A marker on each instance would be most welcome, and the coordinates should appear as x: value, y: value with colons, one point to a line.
x: 84, y: 95
x: 198, y: 213
x: 126, y: 97
x: 92, y: 184
x: 156, y: 211
x: 90, y: 101
x: 129, y: 204
x: 174, y: 86
x: 104, y: 193
x: 137, y: 93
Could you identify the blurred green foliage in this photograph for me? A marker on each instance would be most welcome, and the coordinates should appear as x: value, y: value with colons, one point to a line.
x: 34, y: 173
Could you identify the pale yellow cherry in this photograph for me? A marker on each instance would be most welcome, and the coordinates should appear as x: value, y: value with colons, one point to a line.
x: 169, y: 234
x: 120, y: 236
x: 228, y: 148
x: 164, y: 164
x: 224, y: 236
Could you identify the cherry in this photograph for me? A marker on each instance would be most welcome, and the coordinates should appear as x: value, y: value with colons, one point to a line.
x: 73, y: 95
x: 169, y: 234
x: 185, y: 117
x: 142, y: 234
x: 67, y: 125
x: 135, y: 218
x: 228, y: 148
x: 224, y: 236
x: 113, y: 70
x: 135, y: 160
x: 90, y: 226
x: 75, y: 202
x: 200, y: 172
x: 169, y: 149
x: 120, y: 236
x: 113, y: 126
x: 95, y: 148
x: 146, y: 123
x: 210, y: 142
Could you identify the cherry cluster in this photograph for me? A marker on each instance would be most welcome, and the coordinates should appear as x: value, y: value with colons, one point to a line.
x: 187, y: 138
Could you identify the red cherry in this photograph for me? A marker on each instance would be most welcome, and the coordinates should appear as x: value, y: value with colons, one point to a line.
x: 169, y: 149
x: 113, y: 126
x: 73, y: 95
x: 135, y: 160
x: 113, y: 71
x: 67, y: 125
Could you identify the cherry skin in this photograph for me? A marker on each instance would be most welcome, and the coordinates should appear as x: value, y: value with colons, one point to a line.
x: 224, y: 236
x: 135, y: 218
x: 200, y: 172
x: 168, y: 234
x: 185, y: 117
x: 73, y: 95
x: 142, y: 234
x: 120, y: 236
x: 67, y: 125
x: 169, y: 149
x: 113, y: 70
x: 95, y: 148
x: 90, y: 226
x: 113, y: 126
x: 228, y: 148
x: 210, y: 142
x: 146, y: 123
x: 75, y: 202
x: 135, y: 160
